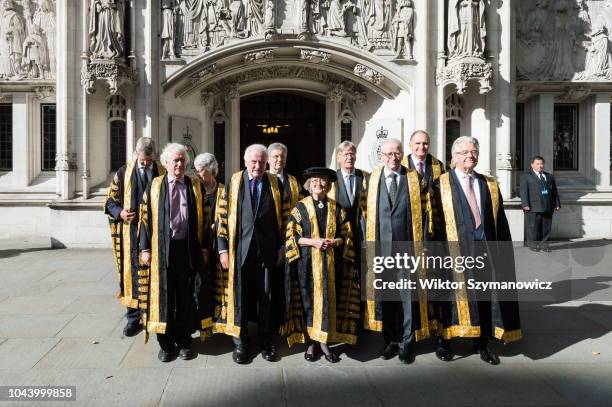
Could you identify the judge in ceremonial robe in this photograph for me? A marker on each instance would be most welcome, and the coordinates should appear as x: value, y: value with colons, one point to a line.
x: 251, y: 247
x: 473, y: 223
x: 395, y: 227
x: 174, y: 290
x: 122, y: 206
x: 321, y: 285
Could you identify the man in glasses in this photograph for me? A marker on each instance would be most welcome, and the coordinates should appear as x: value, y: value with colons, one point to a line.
x: 394, y: 227
x: 474, y: 224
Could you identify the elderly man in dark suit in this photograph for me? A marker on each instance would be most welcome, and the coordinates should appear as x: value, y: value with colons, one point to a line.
x: 251, y: 242
x: 539, y: 199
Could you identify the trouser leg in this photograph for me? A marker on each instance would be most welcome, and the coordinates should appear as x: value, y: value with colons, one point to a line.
x: 546, y: 227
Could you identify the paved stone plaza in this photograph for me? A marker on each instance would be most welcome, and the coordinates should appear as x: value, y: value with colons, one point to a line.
x: 60, y: 324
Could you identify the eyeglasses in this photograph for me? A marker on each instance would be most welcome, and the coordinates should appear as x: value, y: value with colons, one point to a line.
x: 465, y: 153
x: 392, y: 155
x: 320, y: 181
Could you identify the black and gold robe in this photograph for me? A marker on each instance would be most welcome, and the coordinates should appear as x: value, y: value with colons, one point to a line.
x: 123, y: 194
x: 460, y: 317
x: 373, y: 318
x: 322, y: 287
x: 155, y: 235
x: 228, y: 307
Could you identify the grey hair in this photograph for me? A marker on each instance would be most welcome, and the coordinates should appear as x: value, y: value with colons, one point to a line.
x: 208, y: 162
x: 145, y: 145
x: 345, y: 145
x: 172, y: 148
x: 256, y: 148
x: 462, y: 140
x: 307, y: 185
x: 414, y: 133
x: 392, y: 141
x: 277, y: 146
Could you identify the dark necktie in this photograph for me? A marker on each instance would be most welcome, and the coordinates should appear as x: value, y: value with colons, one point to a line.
x: 542, y: 180
x: 420, y: 168
x: 145, y: 178
x: 393, y: 188
x: 351, y: 196
x: 254, y: 194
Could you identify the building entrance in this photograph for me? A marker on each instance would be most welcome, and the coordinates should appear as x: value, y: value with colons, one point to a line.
x: 297, y: 121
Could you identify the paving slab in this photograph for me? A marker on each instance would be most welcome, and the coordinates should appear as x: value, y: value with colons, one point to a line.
x: 77, y: 289
x: 24, y: 353
x: 86, y: 353
x: 91, y: 325
x: 95, y: 304
x: 34, y: 305
x: 32, y: 326
x: 144, y: 355
x: 224, y: 387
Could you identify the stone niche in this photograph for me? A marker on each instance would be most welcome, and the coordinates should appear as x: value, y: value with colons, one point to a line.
x: 564, y: 40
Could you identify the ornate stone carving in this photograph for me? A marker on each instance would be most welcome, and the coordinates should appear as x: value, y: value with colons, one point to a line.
x: 206, y: 98
x: 466, y: 28
x: 574, y: 94
x: 106, y: 29
x: 563, y: 40
x: 368, y: 74
x: 169, y: 10
x: 335, y: 92
x: 359, y: 97
x: 314, y: 56
x: 460, y: 73
x: 65, y: 162
x: 203, y: 75
x: 523, y: 93
x: 504, y: 161
x: 27, y: 40
x: 231, y: 91
x: 259, y: 56
x: 403, y: 30
x: 113, y: 73
x: 44, y: 93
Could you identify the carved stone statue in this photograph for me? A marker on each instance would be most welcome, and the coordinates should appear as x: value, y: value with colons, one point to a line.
x: 270, y: 17
x: 106, y: 33
x: 380, y: 19
x: 403, y: 30
x: 44, y: 18
x: 255, y: 11
x: 190, y: 12
x: 306, y: 16
x: 335, y: 19
x: 35, y: 55
x: 466, y: 28
x: 239, y: 20
x: 598, y: 56
x: 12, y: 37
x: 168, y: 29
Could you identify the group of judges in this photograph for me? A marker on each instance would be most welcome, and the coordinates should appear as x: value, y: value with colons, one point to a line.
x: 193, y: 254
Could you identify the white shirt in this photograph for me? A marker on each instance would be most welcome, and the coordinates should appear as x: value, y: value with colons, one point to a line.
x: 475, y: 185
x: 347, y: 183
x: 387, y: 172
x: 281, y: 177
x: 538, y: 174
x: 149, y: 171
x: 415, y: 162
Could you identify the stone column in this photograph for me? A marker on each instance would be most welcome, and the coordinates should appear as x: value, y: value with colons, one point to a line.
x: 332, y: 123
x: 506, y: 99
x: 438, y: 147
x: 65, y: 166
x: 544, y: 128
x: 601, y: 140
x: 233, y: 155
x: 22, y: 140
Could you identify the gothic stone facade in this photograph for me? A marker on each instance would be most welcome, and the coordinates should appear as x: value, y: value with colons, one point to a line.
x: 80, y: 81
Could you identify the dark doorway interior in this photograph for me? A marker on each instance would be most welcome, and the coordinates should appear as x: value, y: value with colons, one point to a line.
x: 294, y: 120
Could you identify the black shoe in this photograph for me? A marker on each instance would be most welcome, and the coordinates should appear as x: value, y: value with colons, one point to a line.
x: 534, y: 249
x: 546, y: 249
x: 240, y: 355
x: 331, y: 357
x: 407, y: 354
x: 487, y: 355
x: 132, y: 329
x: 389, y: 351
x: 444, y: 352
x: 164, y: 356
x: 310, y: 357
x: 186, y: 354
x: 269, y: 352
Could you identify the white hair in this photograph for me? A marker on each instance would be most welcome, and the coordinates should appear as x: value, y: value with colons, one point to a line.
x: 346, y: 145
x: 307, y: 184
x: 277, y: 146
x: 146, y: 146
x: 172, y: 148
x: 392, y: 141
x: 253, y: 148
x: 208, y: 162
x: 462, y: 140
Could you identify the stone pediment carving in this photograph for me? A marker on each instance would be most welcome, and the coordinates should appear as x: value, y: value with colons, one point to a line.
x: 27, y: 40
x: 105, y: 59
x: 465, y: 60
x: 259, y: 56
x: 192, y: 27
x: 315, y: 56
x: 574, y: 94
x: 564, y: 40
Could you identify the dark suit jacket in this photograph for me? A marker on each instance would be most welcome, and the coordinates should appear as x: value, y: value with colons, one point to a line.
x: 428, y: 172
x: 394, y: 222
x: 352, y: 211
x: 531, y: 193
x: 260, y: 227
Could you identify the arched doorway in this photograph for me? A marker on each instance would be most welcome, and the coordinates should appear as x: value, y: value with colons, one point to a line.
x: 296, y: 120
